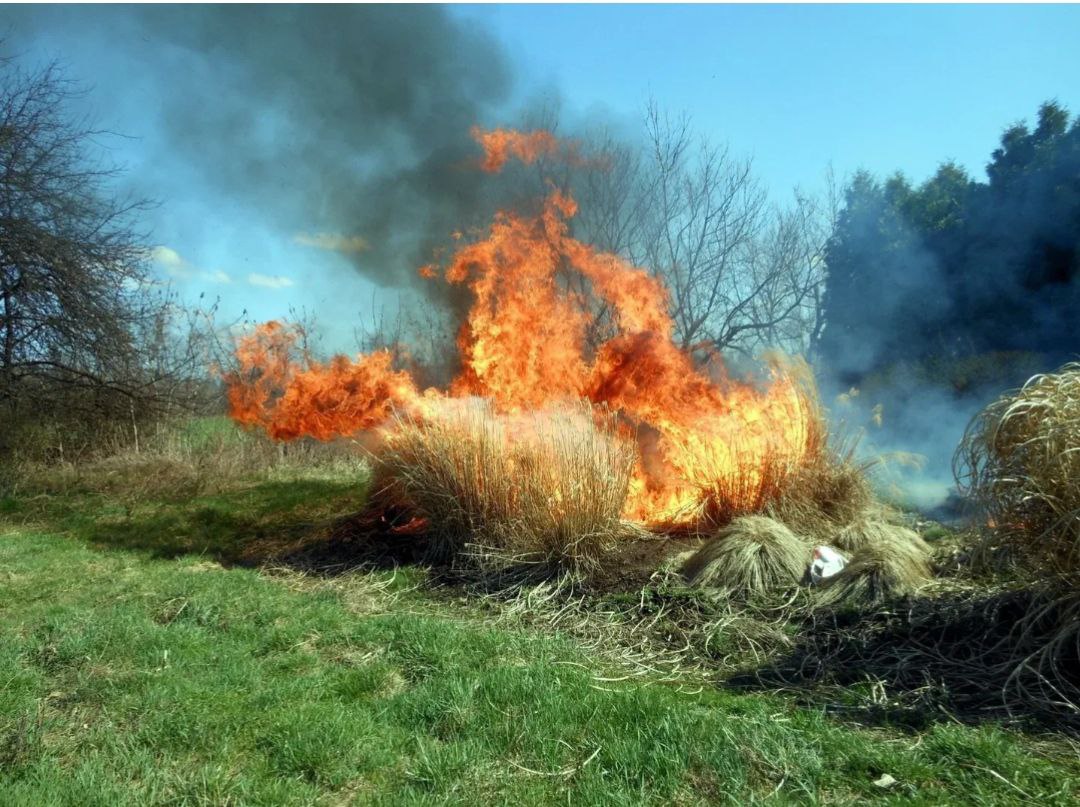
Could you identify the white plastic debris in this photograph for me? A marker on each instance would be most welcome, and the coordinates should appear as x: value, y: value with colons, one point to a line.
x: 825, y: 563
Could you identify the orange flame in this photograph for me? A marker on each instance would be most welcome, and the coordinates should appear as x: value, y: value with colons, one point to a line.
x: 501, y: 144
x: 523, y: 346
x: 292, y: 396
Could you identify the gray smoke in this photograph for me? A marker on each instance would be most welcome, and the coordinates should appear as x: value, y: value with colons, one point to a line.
x: 344, y: 120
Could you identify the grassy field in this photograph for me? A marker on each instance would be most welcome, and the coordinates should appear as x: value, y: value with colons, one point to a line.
x: 151, y: 656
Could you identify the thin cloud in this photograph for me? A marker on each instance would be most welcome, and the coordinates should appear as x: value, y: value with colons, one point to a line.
x: 175, y: 266
x: 269, y: 281
x: 166, y: 256
x: 335, y: 242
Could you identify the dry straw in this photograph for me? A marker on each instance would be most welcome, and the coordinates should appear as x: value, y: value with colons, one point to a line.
x: 1019, y: 462
x: 873, y: 529
x: 827, y: 493
x: 751, y: 556
x: 891, y: 561
x: 546, y: 489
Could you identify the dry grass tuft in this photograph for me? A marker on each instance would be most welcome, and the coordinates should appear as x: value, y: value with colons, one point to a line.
x: 499, y: 491
x: 751, y: 556
x: 1019, y: 462
x: 891, y: 562
x: 827, y: 493
x: 874, y: 528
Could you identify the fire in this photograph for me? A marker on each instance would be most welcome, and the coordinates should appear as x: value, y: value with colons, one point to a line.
x: 280, y: 389
x: 501, y: 144
x: 701, y: 438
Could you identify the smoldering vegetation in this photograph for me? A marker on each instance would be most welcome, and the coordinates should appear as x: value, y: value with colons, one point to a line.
x: 943, y: 293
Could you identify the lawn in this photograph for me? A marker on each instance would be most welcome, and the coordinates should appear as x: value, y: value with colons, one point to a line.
x: 151, y: 656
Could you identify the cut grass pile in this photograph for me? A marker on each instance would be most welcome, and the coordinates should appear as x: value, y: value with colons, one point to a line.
x: 133, y: 678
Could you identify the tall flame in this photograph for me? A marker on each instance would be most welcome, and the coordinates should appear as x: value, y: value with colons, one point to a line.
x: 524, y: 347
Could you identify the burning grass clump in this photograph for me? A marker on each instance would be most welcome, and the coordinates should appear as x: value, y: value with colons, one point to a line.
x: 799, y: 480
x: 752, y: 556
x: 816, y: 494
x: 494, y: 492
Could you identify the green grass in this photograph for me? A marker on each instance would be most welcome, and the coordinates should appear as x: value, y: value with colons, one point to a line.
x: 135, y: 669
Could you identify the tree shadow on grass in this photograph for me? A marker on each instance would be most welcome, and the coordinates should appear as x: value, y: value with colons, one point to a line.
x: 316, y: 525
x: 959, y: 658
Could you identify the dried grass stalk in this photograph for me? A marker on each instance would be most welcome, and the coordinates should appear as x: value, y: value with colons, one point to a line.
x: 873, y: 528
x: 1019, y: 463
x: 496, y: 491
x: 829, y: 491
x: 891, y: 561
x: 750, y: 556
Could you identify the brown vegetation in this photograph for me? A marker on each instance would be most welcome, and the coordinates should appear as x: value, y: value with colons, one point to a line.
x: 895, y: 562
x: 499, y: 491
x: 1019, y: 462
x: 825, y: 495
x: 751, y: 556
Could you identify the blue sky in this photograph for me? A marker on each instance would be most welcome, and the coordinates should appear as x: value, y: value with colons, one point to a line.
x: 880, y: 87
x: 797, y: 87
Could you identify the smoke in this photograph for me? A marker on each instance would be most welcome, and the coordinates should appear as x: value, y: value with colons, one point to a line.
x: 346, y: 127
x: 347, y: 120
x: 942, y: 297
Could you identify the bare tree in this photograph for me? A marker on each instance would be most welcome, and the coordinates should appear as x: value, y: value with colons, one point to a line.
x: 777, y: 293
x: 742, y: 274
x: 419, y: 337
x: 79, y: 317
